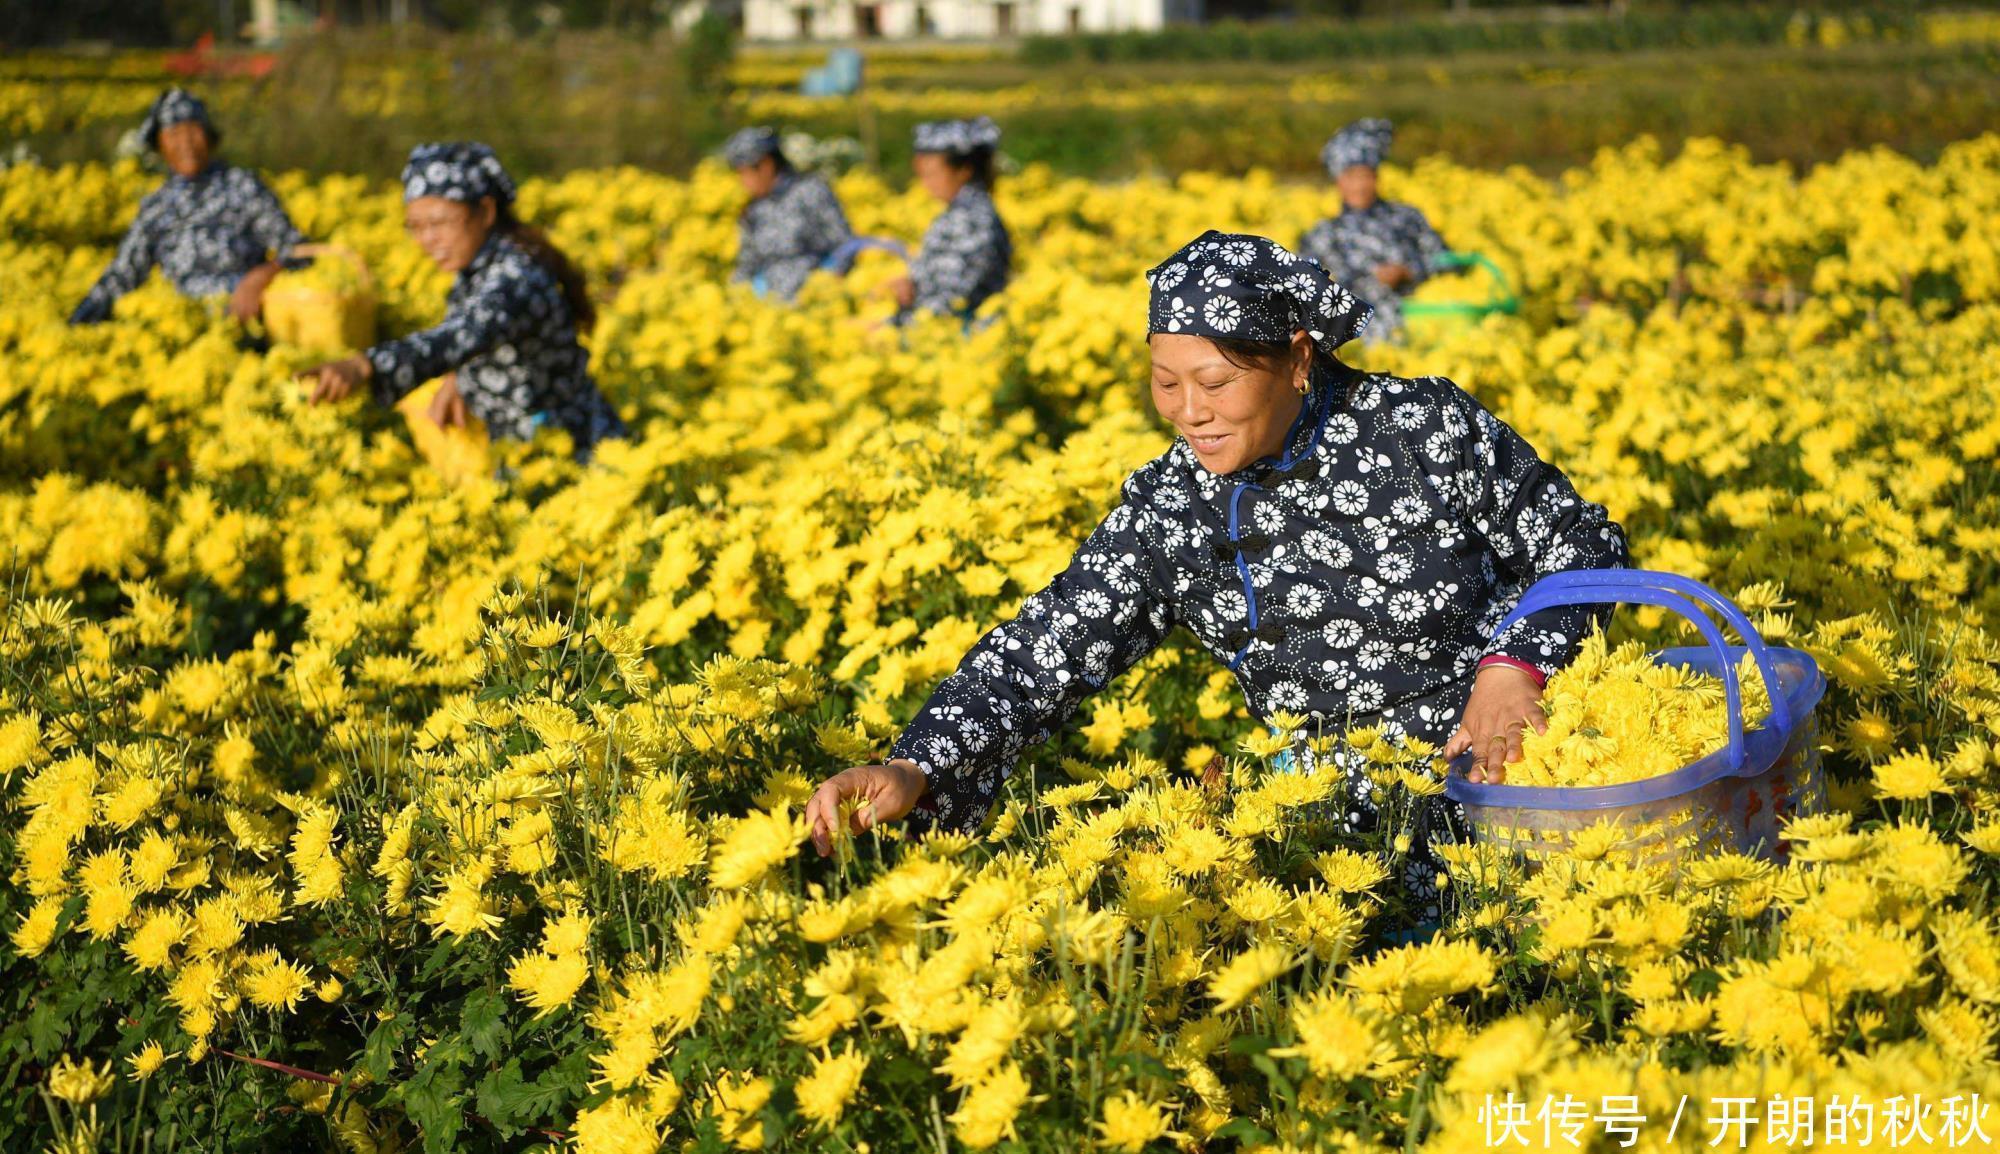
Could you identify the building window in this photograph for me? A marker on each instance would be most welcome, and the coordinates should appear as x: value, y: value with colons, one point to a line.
x: 1075, y: 21
x: 868, y: 21
x: 805, y: 17
x: 1003, y: 15
x: 925, y: 25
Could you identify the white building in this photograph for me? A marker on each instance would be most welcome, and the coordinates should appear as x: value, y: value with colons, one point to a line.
x: 956, y: 19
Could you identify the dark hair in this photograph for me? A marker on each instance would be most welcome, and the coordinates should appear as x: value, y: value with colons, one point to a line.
x: 554, y: 261
x: 979, y: 160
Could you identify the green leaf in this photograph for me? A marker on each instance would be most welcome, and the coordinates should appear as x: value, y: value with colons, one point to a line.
x: 437, y: 1114
x: 385, y: 1042
x: 566, y: 1082
x: 901, y: 1070
x: 1244, y: 1131
x: 779, y: 1111
x: 1703, y: 982
x: 505, y: 1099
x: 434, y: 1097
x: 438, y: 962
x: 1144, y: 1065
x: 1277, y: 1077
x: 48, y: 1026
x: 483, y: 1024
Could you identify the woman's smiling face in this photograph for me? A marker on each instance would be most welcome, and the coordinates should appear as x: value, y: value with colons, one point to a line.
x: 449, y: 232
x: 185, y: 147
x: 1231, y: 414
x: 1357, y: 187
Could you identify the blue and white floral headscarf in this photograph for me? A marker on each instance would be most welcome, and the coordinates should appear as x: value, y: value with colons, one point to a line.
x: 464, y: 171
x: 747, y: 146
x: 1242, y: 287
x: 175, y: 106
x: 958, y: 137
x: 1365, y: 142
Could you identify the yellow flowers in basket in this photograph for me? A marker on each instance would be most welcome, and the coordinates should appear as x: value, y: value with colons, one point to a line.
x: 459, y: 453
x: 1616, y: 715
x: 328, y: 307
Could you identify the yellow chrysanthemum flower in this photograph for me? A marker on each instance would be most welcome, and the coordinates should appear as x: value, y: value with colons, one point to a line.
x: 79, y: 1083
x: 1130, y: 1122
x: 825, y: 1091
x: 147, y: 1060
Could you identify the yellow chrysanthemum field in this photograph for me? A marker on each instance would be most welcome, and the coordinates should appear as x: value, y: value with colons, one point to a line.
x: 346, y: 808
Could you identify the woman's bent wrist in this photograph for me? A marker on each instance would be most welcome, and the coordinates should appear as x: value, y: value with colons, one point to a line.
x: 1502, y: 661
x: 912, y: 772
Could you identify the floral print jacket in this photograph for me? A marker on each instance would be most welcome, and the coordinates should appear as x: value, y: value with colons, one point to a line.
x: 204, y: 232
x: 785, y: 236
x: 1355, y: 580
x: 965, y: 256
x: 508, y: 334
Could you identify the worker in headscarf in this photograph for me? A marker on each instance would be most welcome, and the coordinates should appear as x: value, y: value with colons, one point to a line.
x: 966, y: 253
x: 793, y: 225
x: 1380, y: 249
x: 508, y: 345
x: 212, y: 228
x: 1346, y: 543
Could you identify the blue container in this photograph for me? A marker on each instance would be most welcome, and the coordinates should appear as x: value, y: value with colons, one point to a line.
x: 840, y: 76
x: 1735, y: 798
x: 841, y: 260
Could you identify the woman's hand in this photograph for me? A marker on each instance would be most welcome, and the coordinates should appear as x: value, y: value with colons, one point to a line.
x: 887, y: 792
x: 247, y: 302
x: 903, y: 289
x: 1393, y: 275
x: 336, y: 379
x: 1505, y: 701
x: 448, y: 407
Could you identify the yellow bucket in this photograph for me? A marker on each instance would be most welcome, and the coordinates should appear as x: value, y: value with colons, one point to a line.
x: 329, y: 308
x: 459, y: 454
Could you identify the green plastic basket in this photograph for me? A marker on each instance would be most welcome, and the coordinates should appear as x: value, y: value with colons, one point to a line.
x: 1430, y: 319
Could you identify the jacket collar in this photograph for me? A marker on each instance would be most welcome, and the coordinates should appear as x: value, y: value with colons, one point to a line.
x: 489, y: 251
x: 213, y: 169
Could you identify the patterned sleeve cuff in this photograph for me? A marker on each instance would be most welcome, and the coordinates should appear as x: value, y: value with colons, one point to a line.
x: 383, y: 381
x: 924, y: 814
x: 1541, y: 678
x: 93, y: 309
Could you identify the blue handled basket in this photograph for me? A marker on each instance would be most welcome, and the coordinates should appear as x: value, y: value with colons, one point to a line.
x: 1735, y: 798
x: 841, y: 260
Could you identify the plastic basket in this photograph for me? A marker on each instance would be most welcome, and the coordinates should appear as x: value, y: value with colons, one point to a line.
x: 1735, y: 798
x: 458, y: 454
x: 1434, y: 318
x: 310, y: 316
x: 841, y: 260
